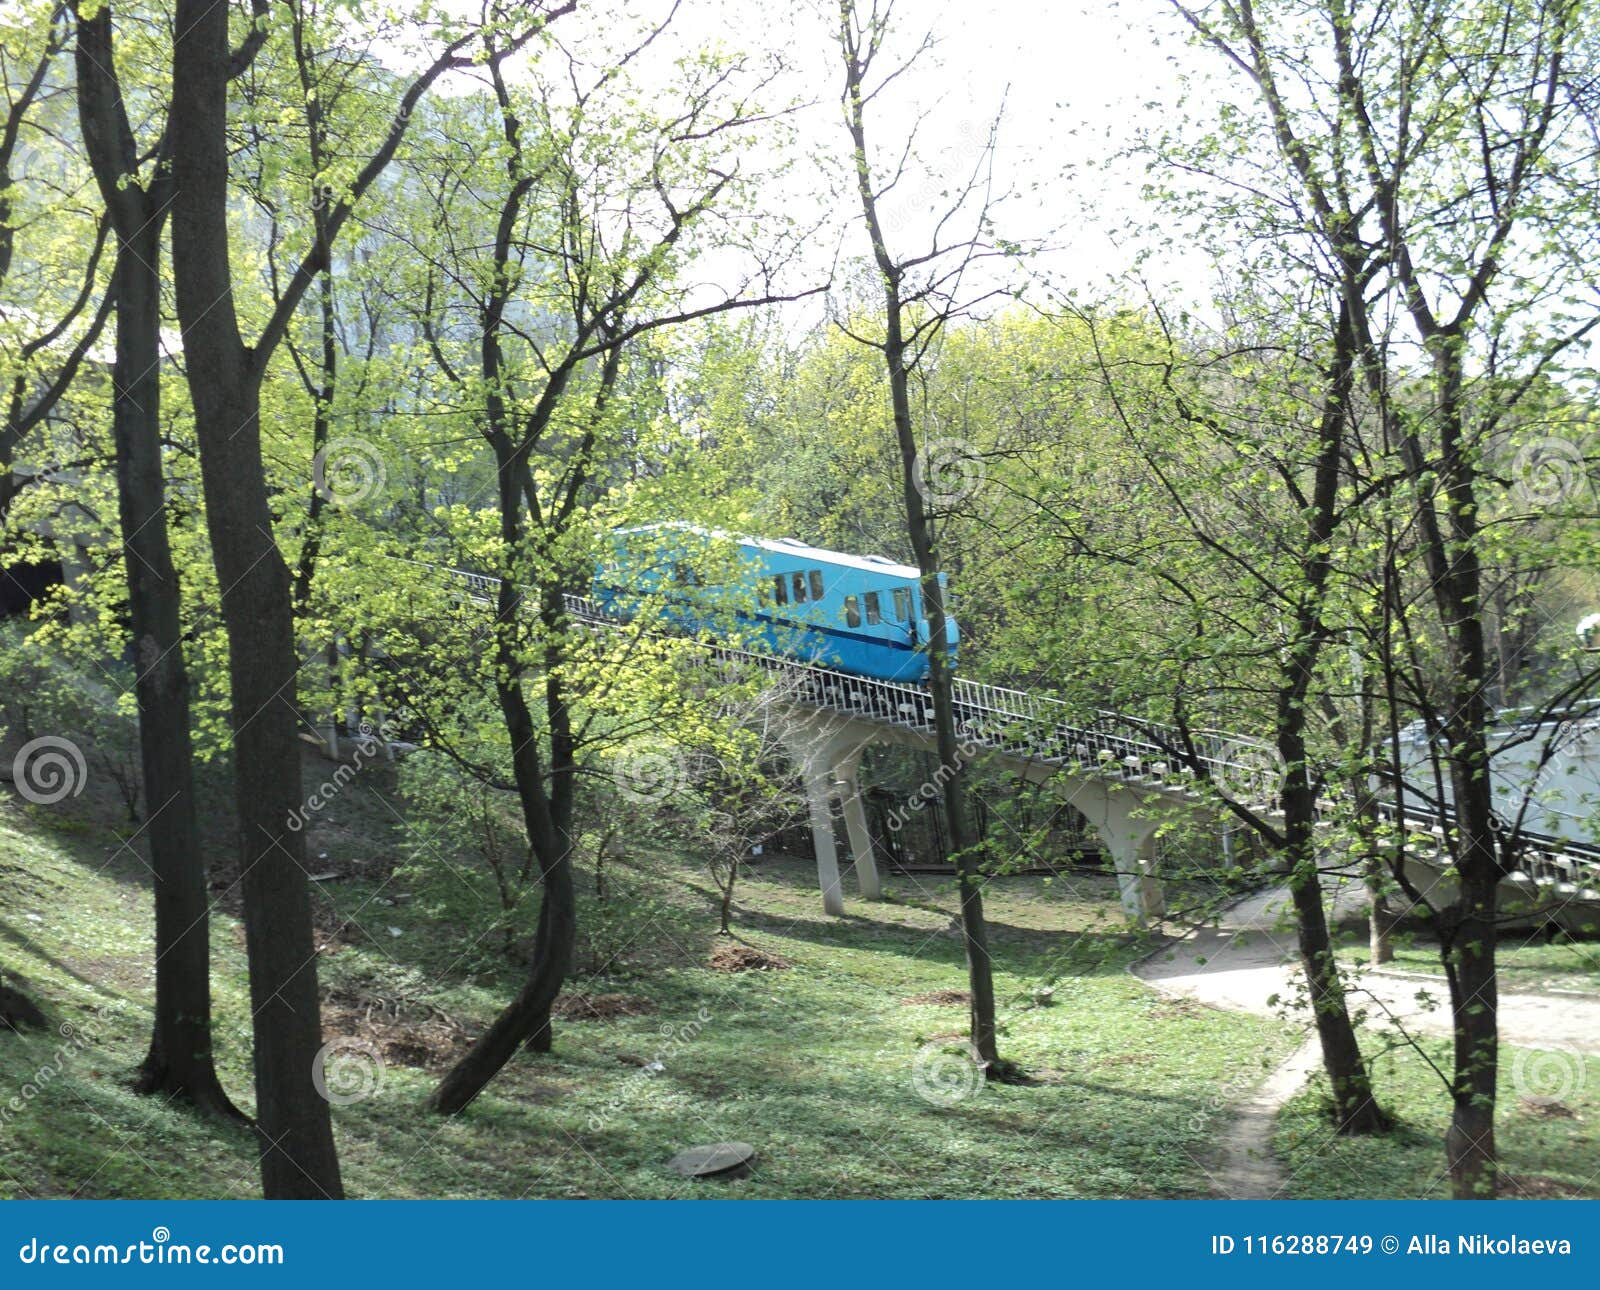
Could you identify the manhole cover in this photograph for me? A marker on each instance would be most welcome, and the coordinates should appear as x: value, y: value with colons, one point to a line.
x: 718, y: 1160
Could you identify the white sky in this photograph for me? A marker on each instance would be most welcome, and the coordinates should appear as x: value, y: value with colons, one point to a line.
x: 1077, y: 79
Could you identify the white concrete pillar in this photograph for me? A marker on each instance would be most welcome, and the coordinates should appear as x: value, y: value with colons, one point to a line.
x: 1131, y: 841
x: 847, y: 774
x: 825, y: 748
x: 819, y: 796
x: 1137, y: 884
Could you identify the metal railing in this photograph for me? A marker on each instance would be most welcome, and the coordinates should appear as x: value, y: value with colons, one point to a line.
x: 1036, y: 728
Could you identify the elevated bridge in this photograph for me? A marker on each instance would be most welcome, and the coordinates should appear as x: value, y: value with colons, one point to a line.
x: 1126, y: 776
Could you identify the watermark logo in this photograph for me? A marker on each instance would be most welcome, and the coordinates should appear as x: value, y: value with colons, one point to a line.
x: 948, y: 472
x: 1248, y: 772
x: 47, y: 166
x: 649, y: 776
x: 49, y: 769
x: 1548, y: 471
x: 347, y: 1070
x: 72, y: 1039
x: 1549, y: 1075
x: 944, y: 1074
x: 676, y: 1039
x: 370, y: 743
x: 348, y: 472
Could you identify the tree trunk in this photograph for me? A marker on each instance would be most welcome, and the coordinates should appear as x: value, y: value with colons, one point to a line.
x: 546, y: 810
x: 1474, y: 1001
x: 1380, y: 919
x: 179, y: 1062
x: 526, y: 1019
x: 298, y: 1158
x: 1355, y: 1110
x: 963, y: 836
x: 958, y: 817
x: 725, y: 906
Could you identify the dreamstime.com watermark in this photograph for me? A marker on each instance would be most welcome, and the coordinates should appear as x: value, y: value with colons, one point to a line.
x: 72, y: 1040
x: 369, y: 746
x: 160, y: 1250
x: 1248, y: 772
x: 945, y: 1073
x: 348, y: 1070
x: 49, y: 769
x: 930, y: 788
x: 675, y: 1038
x: 649, y: 776
x: 948, y: 472
x: 45, y: 168
x: 348, y: 472
x: 1549, y: 1074
x: 1549, y: 471
x: 1223, y: 1100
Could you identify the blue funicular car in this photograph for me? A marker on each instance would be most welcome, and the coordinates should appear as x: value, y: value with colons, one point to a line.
x: 853, y: 613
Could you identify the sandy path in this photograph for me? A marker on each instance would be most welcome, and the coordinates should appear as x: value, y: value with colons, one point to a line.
x: 1250, y: 956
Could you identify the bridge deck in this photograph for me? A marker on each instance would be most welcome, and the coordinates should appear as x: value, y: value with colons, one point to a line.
x: 1036, y: 730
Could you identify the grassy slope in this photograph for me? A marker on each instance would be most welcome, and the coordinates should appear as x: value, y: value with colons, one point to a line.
x: 815, y: 1065
x: 1550, y: 1147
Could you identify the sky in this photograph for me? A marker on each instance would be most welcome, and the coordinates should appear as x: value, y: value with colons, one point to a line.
x: 1076, y: 81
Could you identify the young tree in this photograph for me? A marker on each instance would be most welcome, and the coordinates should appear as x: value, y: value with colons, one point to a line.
x: 1449, y: 140
x: 1273, y: 442
x: 921, y: 294
x: 743, y: 785
x: 594, y: 214
x: 225, y: 376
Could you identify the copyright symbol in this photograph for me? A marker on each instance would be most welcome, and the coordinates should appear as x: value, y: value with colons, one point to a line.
x: 1391, y: 1245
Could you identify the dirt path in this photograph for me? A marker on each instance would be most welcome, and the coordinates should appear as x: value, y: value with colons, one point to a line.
x: 1250, y: 956
x: 1247, y: 1166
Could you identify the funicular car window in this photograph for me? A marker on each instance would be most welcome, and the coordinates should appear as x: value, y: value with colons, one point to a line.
x: 799, y: 588
x: 780, y: 589
x: 874, y: 611
x: 902, y: 604
x: 817, y: 591
x: 852, y: 612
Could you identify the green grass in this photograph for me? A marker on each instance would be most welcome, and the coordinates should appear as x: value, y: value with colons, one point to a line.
x: 817, y: 1065
x: 1549, y: 1143
x: 1523, y: 961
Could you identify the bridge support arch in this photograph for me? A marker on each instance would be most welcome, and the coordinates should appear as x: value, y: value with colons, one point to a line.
x: 827, y: 747
x: 1114, y: 811
x: 827, y: 752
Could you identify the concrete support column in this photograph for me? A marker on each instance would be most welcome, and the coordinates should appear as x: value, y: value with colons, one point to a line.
x: 847, y: 774
x: 827, y: 750
x: 1137, y: 884
x: 819, y: 796
x: 1131, y: 841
